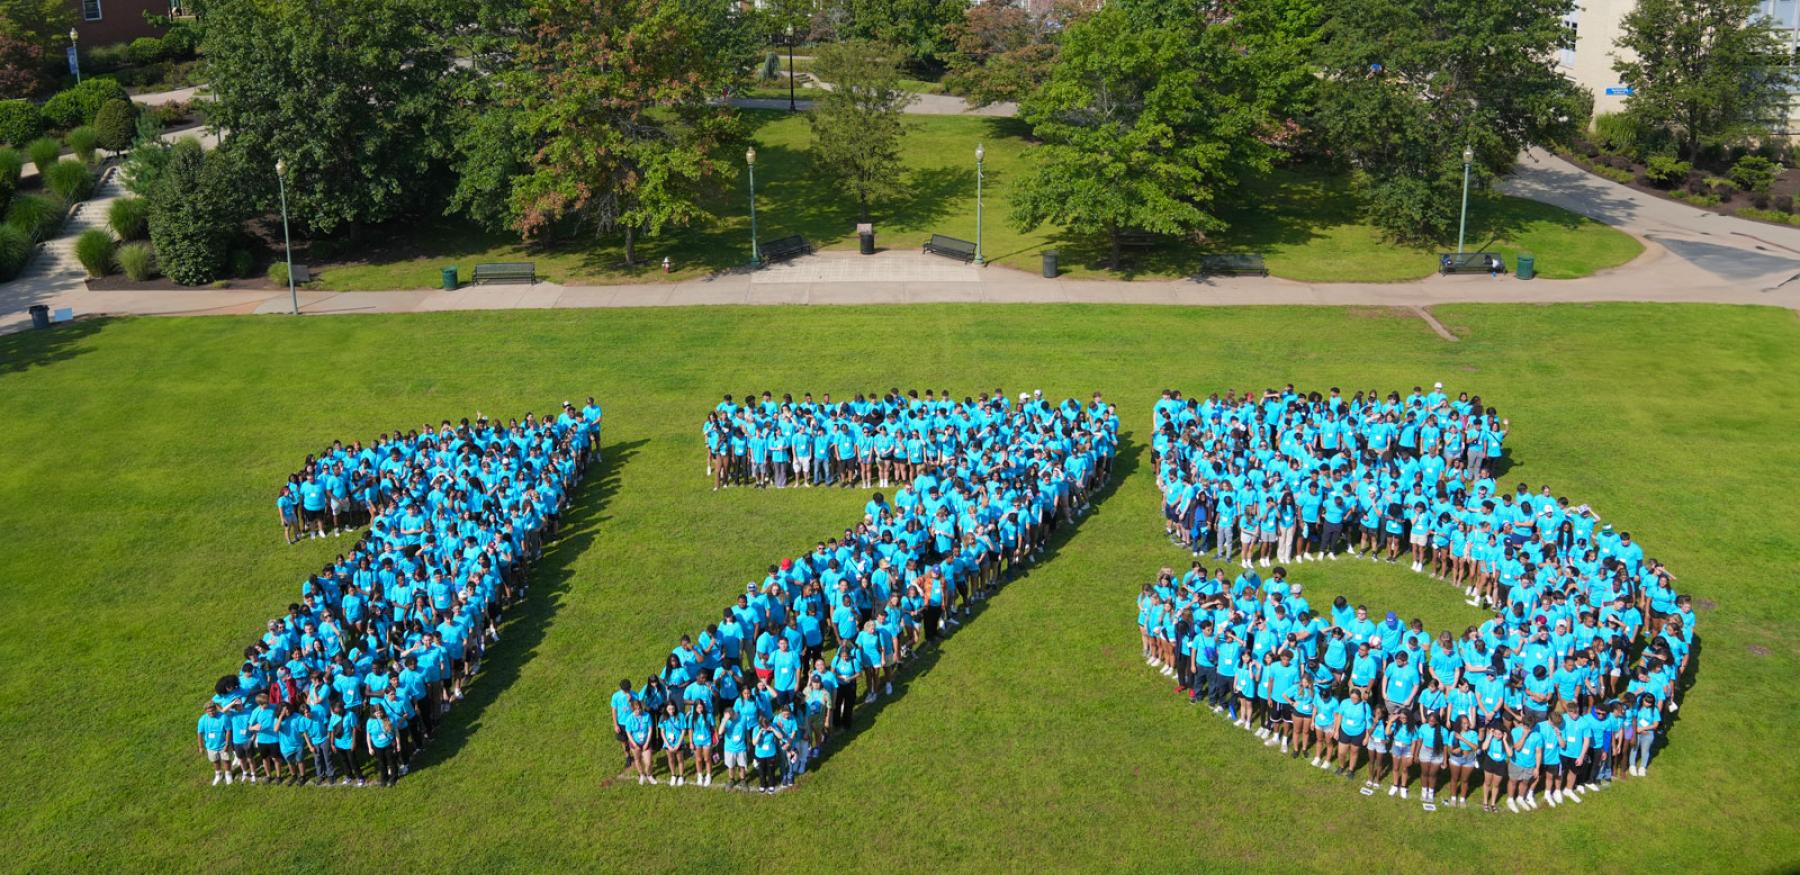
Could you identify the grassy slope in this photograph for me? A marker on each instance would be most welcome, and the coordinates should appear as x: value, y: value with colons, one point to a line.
x: 138, y: 458
x: 1308, y: 224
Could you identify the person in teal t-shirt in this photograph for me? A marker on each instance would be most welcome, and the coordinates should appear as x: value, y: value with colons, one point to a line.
x: 214, y: 733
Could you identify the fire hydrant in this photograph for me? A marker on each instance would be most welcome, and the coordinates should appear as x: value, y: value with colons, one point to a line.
x: 667, y: 265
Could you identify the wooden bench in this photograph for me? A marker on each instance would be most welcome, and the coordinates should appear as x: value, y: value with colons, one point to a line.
x: 506, y: 272
x: 950, y: 247
x: 1139, y: 239
x: 1233, y: 264
x: 784, y: 248
x: 1471, y: 262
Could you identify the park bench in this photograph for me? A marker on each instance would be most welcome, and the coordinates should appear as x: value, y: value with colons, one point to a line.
x: 1233, y: 264
x: 950, y: 247
x: 1139, y: 239
x: 784, y: 248
x: 1471, y: 262
x: 506, y: 272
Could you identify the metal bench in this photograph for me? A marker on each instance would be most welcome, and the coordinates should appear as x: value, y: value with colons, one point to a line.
x: 784, y: 248
x: 1471, y: 262
x: 950, y: 247
x: 1233, y: 264
x: 506, y: 272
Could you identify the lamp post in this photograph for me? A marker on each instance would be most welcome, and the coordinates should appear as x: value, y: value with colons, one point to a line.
x: 750, y: 162
x: 75, y: 54
x: 790, y: 47
x: 980, y: 155
x: 1462, y: 226
x: 286, y: 241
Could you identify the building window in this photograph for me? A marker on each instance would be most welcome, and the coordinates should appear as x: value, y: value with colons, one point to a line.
x: 90, y: 10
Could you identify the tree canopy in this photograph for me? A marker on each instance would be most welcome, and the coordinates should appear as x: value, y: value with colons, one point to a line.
x: 1707, y: 71
x: 857, y: 126
x: 1409, y: 83
x: 1148, y: 118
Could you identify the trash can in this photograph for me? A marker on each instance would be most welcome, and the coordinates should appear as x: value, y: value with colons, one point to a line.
x: 1050, y: 264
x: 1527, y: 267
x: 450, y: 278
x: 868, y: 242
x: 40, y: 315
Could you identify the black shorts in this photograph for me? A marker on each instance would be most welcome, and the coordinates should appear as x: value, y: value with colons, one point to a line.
x: 1280, y: 713
x: 619, y: 733
x: 1352, y: 740
x: 1493, y: 766
x: 270, y: 750
x: 312, y: 516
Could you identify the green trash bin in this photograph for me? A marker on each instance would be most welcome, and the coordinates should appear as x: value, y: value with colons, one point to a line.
x: 1527, y: 267
x: 450, y: 278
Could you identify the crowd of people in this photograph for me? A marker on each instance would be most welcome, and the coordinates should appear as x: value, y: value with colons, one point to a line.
x: 1567, y: 687
x: 980, y: 486
x: 383, y: 639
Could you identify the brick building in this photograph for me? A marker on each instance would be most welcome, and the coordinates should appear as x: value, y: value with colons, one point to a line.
x: 104, y: 22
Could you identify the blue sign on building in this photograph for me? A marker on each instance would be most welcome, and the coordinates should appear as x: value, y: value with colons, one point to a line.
x: 1617, y: 90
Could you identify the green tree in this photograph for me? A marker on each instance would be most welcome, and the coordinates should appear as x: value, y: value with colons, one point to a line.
x: 1708, y: 71
x: 857, y: 126
x: 1000, y: 52
x: 195, y: 210
x: 1148, y: 119
x: 116, y: 125
x: 918, y: 28
x: 1408, y: 84
x: 32, y: 32
x: 353, y: 95
x: 617, y: 100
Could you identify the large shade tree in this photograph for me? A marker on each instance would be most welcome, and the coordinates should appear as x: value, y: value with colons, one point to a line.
x: 1150, y: 116
x: 1707, y: 71
x: 353, y: 95
x: 619, y: 102
x: 1409, y: 83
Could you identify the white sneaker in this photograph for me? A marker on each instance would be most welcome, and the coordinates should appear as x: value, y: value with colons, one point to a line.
x: 227, y: 779
x: 1316, y: 763
x: 1284, y: 746
x: 888, y: 690
x: 217, y: 776
x: 1392, y: 789
x: 653, y: 780
x: 1512, y: 805
x: 1331, y: 556
x: 1573, y: 797
x: 640, y: 780
x: 1274, y: 740
x: 1403, y: 794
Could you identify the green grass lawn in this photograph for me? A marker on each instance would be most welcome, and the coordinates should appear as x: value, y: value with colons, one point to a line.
x: 138, y: 460
x: 1307, y: 223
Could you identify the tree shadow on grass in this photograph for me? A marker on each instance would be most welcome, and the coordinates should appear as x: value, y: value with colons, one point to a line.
x: 1125, y: 461
x: 31, y: 348
x: 524, y: 628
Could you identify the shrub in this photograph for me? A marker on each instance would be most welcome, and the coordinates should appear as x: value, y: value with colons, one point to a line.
x: 70, y: 180
x: 94, y: 249
x: 1784, y: 203
x: 20, y: 122
x: 173, y: 112
x: 180, y: 42
x: 44, y: 152
x: 1723, y: 192
x: 1619, y: 134
x: 1754, y: 173
x: 144, y: 50
x: 83, y: 140
x: 1665, y: 171
x: 129, y: 218
x: 1759, y: 200
x: 1590, y: 150
x: 1775, y: 216
x: 1694, y: 185
x: 15, y: 250
x: 79, y: 105
x: 771, y: 67
x: 115, y: 126
x: 278, y: 273
x: 34, y: 216
x: 243, y: 264
x: 11, y: 164
x: 137, y: 260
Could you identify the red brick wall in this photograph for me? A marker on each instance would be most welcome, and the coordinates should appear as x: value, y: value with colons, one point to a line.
x: 121, y: 21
